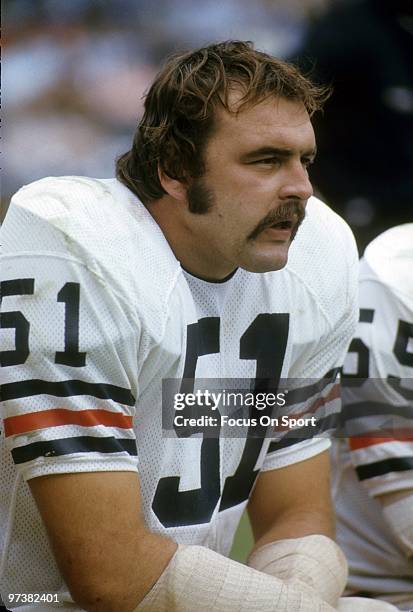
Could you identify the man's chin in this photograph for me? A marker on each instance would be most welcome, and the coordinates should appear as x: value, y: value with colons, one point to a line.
x: 265, y: 264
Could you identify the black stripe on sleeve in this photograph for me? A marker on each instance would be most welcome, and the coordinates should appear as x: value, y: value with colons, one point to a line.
x: 67, y: 388
x: 67, y: 446
x: 397, y: 464
x: 301, y: 394
x: 299, y: 434
x: 366, y: 409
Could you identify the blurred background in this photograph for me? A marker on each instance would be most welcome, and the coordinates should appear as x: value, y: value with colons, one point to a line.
x: 74, y: 73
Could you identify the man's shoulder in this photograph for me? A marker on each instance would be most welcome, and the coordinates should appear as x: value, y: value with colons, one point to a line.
x: 98, y: 224
x: 324, y: 254
x: 76, y: 198
x: 325, y: 231
x: 388, y: 260
x: 64, y: 185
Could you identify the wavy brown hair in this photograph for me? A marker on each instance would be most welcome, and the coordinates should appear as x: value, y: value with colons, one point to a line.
x: 180, y: 104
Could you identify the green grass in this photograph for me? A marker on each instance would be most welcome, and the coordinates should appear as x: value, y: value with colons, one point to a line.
x: 243, y: 540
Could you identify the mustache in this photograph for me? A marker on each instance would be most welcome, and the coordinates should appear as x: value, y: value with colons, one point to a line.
x: 288, y: 211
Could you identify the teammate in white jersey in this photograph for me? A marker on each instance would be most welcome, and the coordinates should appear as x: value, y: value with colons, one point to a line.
x: 176, y: 271
x: 373, y: 469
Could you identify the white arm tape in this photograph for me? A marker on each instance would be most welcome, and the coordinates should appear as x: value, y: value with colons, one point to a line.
x: 364, y: 604
x: 314, y: 560
x: 400, y: 518
x: 201, y: 580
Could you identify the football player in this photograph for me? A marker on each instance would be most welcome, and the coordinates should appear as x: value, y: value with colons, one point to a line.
x: 176, y: 271
x: 373, y: 469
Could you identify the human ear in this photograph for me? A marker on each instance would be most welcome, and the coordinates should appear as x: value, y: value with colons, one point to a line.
x: 176, y: 189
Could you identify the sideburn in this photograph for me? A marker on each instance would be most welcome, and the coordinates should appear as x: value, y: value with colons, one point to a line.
x: 200, y: 198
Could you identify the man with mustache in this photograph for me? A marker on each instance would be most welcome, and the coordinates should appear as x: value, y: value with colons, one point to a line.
x: 181, y: 270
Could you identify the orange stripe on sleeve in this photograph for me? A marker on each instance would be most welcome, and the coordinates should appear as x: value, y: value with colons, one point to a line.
x: 62, y: 416
x: 358, y: 442
x: 334, y: 393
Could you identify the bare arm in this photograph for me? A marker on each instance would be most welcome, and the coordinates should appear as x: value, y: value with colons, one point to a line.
x: 292, y: 502
x: 110, y: 561
x: 106, y: 555
x: 292, y: 520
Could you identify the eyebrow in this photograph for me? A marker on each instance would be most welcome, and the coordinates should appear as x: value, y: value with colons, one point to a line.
x: 275, y: 152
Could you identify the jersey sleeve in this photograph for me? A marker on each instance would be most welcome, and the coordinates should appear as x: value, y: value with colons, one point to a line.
x: 316, y: 392
x: 378, y: 397
x: 69, y: 357
x: 316, y: 408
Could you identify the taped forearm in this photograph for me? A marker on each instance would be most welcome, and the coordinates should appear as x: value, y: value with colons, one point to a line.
x: 313, y: 560
x: 200, y: 579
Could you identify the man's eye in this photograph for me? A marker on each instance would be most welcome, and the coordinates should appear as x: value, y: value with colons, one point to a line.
x: 266, y: 160
x: 307, y: 161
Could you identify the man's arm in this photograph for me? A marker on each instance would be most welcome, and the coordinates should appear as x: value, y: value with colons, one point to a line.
x: 110, y: 561
x: 106, y: 555
x: 292, y: 520
x: 293, y: 501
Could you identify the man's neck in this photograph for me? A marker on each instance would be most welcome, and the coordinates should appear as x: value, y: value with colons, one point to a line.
x: 194, y: 256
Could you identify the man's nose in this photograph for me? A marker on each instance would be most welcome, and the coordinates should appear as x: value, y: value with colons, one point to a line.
x: 296, y: 183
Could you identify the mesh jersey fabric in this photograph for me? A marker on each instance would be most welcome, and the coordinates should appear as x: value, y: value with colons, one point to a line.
x: 378, y: 456
x: 107, y: 309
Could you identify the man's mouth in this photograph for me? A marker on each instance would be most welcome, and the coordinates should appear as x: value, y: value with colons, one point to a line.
x: 286, y: 224
x: 288, y: 220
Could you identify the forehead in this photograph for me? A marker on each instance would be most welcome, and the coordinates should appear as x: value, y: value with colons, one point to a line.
x: 274, y: 122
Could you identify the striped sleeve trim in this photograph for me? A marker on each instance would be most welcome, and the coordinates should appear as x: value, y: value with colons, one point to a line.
x: 302, y: 394
x: 365, y: 409
x: 67, y: 446
x: 320, y: 402
x: 66, y: 388
x: 376, y: 437
x: 305, y: 433
x: 367, y: 424
x: 379, y: 468
x: 325, y: 409
x: 56, y: 417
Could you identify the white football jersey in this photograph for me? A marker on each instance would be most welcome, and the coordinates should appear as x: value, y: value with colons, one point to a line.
x: 378, y: 418
x: 97, y: 312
